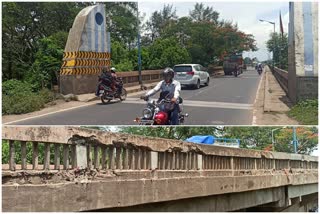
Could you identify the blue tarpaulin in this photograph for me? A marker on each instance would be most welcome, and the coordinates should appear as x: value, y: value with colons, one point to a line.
x: 204, y: 139
x: 209, y: 139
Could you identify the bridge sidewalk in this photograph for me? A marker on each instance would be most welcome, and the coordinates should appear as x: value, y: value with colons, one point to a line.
x: 272, y: 103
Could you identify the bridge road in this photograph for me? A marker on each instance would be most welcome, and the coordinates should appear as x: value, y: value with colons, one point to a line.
x: 226, y: 101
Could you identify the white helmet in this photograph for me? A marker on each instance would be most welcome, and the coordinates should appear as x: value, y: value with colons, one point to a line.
x: 113, y: 70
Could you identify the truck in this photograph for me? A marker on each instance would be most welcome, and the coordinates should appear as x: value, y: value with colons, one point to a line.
x: 233, y: 64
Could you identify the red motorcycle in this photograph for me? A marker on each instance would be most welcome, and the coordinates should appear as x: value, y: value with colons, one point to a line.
x: 156, y: 112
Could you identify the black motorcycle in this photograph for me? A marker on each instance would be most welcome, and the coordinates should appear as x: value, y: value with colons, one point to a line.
x: 106, y: 91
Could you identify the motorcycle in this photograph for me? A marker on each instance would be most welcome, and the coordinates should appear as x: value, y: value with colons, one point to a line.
x: 106, y: 93
x: 259, y: 70
x: 156, y: 112
x: 235, y: 72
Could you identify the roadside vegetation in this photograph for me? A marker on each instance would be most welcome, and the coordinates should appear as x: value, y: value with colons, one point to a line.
x: 34, y: 38
x: 305, y: 112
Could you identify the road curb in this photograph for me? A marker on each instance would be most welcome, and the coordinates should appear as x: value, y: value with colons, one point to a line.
x: 256, y: 107
x: 266, y: 99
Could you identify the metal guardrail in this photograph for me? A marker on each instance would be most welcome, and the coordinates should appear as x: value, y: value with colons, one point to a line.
x: 66, y: 148
x: 282, y: 78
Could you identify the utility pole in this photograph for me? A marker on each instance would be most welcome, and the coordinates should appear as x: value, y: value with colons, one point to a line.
x: 139, y: 47
x: 274, y: 41
x: 295, y: 141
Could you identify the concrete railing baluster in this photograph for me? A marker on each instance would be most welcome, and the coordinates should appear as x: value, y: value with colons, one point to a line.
x: 96, y: 157
x: 12, y: 163
x: 89, y: 156
x: 118, y: 158
x: 125, y: 158
x: 23, y: 155
x: 111, y: 164
x: 35, y: 155
x: 46, y: 164
x: 56, y: 156
x: 104, y: 157
x: 65, y: 157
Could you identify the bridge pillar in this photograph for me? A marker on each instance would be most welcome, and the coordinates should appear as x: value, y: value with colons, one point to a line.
x: 86, y: 53
x: 303, y: 51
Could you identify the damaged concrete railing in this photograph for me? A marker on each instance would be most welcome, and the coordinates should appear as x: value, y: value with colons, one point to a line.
x: 77, y: 169
x: 67, y: 148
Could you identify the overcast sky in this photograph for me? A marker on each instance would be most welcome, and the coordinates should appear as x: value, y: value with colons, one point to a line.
x: 246, y: 14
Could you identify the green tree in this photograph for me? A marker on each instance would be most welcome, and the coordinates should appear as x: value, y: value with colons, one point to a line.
x: 166, y: 53
x: 279, y: 45
x: 44, y: 71
x: 160, y: 20
x: 307, y: 140
x: 24, y: 24
x: 122, y: 22
x: 200, y: 13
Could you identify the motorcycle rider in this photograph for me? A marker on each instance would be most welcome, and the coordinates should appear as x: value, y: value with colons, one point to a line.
x: 115, y: 78
x: 105, y: 75
x: 169, y: 85
x: 259, y: 68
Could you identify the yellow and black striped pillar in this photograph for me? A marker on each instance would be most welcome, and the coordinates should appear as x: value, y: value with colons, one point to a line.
x: 84, y: 63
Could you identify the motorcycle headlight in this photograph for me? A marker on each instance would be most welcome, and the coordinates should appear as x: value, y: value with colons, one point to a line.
x: 147, y: 113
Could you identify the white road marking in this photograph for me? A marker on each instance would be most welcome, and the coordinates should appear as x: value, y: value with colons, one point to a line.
x: 254, y: 118
x: 54, y: 112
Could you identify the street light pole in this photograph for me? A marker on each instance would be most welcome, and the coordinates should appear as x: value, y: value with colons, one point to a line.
x: 274, y: 41
x: 273, y: 143
x: 295, y: 141
x: 139, y: 47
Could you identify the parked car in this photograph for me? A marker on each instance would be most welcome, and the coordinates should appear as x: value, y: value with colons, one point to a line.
x: 193, y: 75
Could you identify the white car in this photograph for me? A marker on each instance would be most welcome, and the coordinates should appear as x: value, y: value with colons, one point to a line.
x: 191, y: 75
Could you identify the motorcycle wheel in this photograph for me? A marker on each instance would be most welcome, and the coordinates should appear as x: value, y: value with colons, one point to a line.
x: 123, y: 95
x: 104, y: 100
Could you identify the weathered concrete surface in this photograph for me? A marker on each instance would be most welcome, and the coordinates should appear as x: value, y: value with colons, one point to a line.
x: 78, y: 84
x: 275, y: 97
x: 303, y: 50
x: 69, y: 134
x: 216, y: 203
x: 118, y: 191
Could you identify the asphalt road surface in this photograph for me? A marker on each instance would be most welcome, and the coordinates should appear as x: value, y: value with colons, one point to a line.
x: 228, y: 100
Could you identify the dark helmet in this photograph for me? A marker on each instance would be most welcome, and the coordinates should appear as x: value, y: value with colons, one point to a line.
x: 168, y: 74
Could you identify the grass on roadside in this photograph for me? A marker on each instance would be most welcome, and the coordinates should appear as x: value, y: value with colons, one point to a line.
x: 305, y: 112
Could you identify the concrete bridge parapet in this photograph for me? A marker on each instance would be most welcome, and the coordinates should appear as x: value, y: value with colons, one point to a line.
x: 81, y: 167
